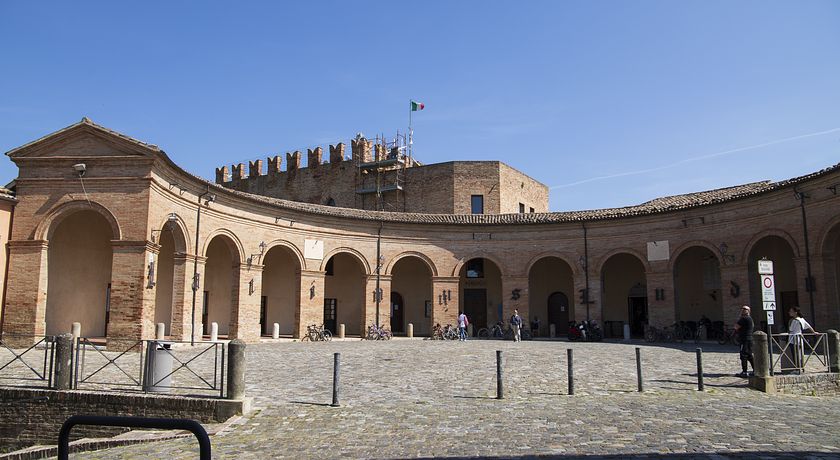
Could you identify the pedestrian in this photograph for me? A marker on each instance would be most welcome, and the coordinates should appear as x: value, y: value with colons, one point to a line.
x: 535, y: 327
x: 744, y: 328
x: 463, y: 322
x: 516, y: 324
x: 795, y: 338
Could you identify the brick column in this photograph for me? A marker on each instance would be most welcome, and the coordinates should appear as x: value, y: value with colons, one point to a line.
x: 739, y: 275
x: 370, y: 301
x: 245, y: 314
x: 26, y: 288
x: 662, y: 312
x: 182, y: 281
x: 577, y: 308
x: 515, y: 286
x: 132, y: 302
x: 445, y: 312
x: 311, y: 303
x: 827, y: 295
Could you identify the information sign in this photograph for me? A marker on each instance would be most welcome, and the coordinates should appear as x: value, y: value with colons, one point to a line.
x: 769, y: 306
x: 765, y: 267
x: 768, y: 288
x: 770, y: 317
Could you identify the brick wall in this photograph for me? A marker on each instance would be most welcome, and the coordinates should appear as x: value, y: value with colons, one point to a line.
x: 30, y: 417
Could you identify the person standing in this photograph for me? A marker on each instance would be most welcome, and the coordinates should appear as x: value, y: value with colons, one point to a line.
x: 516, y: 324
x: 744, y: 328
x: 795, y: 338
x: 463, y: 322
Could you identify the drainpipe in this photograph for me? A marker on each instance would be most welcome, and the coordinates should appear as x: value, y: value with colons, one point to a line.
x: 378, y: 293
x: 195, y: 265
x: 809, y: 282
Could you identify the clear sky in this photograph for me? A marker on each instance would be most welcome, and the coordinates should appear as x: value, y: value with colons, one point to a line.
x: 610, y: 103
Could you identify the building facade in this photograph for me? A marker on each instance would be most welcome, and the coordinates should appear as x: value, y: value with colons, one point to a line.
x: 130, y: 240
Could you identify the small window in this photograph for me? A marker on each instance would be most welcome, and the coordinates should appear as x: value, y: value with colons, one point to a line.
x: 330, y: 202
x: 477, y: 204
x: 522, y: 208
x: 475, y: 268
x: 532, y: 210
x: 330, y: 268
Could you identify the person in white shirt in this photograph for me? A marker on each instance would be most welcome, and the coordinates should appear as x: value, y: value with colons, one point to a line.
x: 798, y: 325
x: 463, y: 322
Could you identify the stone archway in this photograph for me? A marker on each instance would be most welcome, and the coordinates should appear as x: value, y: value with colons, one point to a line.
x: 551, y: 285
x: 481, y: 292
x: 411, y: 280
x: 280, y: 297
x: 778, y: 250
x: 79, y: 274
x: 221, y: 278
x: 623, y: 292
x: 344, y: 293
x: 697, y: 286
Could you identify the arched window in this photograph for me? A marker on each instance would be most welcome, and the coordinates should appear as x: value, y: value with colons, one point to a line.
x: 330, y: 202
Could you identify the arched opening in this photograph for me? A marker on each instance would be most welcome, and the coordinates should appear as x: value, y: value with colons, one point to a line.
x: 280, y: 299
x: 79, y: 274
x: 831, y: 268
x: 481, y: 293
x: 624, y: 292
x: 165, y: 282
x: 778, y: 250
x: 411, y: 296
x: 550, y: 286
x: 220, y: 278
x: 697, y: 287
x: 344, y: 294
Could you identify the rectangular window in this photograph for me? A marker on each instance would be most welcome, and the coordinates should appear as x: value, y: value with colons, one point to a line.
x: 475, y: 268
x: 477, y: 204
x: 532, y: 210
x: 521, y: 208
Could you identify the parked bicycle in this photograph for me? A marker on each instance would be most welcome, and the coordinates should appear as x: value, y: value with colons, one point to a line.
x: 378, y: 333
x: 728, y: 336
x: 495, y: 331
x: 317, y: 333
x: 655, y: 334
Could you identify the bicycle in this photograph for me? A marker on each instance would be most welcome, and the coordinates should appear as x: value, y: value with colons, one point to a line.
x: 450, y: 333
x: 729, y: 336
x: 494, y: 332
x: 654, y: 334
x: 315, y: 333
x: 377, y: 333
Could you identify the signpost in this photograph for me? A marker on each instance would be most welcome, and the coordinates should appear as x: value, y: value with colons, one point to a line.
x: 768, y: 299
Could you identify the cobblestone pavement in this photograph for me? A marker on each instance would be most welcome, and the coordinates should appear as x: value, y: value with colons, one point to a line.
x: 422, y: 399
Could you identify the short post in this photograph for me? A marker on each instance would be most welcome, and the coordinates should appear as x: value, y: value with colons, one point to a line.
x: 410, y: 331
x: 76, y: 331
x: 236, y: 369
x: 626, y: 331
x: 833, y: 350
x: 214, y: 331
x: 469, y: 330
x: 275, y: 331
x: 700, y: 369
x: 639, y: 369
x: 500, y: 389
x: 552, y: 331
x: 571, y: 372
x: 341, y: 331
x: 336, y: 372
x: 160, y: 331
x: 63, y: 369
x: 761, y: 355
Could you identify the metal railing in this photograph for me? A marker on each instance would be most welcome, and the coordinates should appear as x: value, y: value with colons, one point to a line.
x: 27, y: 358
x: 133, y: 422
x: 794, y: 353
x: 110, y: 369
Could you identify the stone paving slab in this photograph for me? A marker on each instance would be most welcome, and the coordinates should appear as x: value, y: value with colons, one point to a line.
x: 426, y: 399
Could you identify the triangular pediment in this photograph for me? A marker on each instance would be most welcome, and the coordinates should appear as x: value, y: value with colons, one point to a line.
x: 84, y: 140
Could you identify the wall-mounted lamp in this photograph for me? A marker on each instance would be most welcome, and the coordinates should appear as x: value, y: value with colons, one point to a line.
x: 444, y: 297
x: 582, y: 262
x: 277, y: 220
x: 170, y: 219
x: 724, y: 253
x: 210, y: 198
x: 259, y: 255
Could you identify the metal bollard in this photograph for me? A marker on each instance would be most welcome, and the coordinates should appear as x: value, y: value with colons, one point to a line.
x: 571, y: 372
x: 160, y: 331
x: 639, y: 369
x: 500, y: 389
x: 236, y: 369
x: 62, y: 372
x: 336, y: 371
x: 700, y: 369
x: 214, y: 331
x: 275, y: 331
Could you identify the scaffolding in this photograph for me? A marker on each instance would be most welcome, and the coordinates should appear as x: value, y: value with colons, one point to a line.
x: 386, y: 174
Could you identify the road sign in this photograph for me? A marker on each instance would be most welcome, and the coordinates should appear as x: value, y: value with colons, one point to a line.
x: 768, y: 288
x: 765, y: 267
x: 770, y: 317
x: 770, y: 306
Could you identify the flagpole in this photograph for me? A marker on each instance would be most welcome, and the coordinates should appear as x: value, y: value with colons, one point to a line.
x: 410, y: 131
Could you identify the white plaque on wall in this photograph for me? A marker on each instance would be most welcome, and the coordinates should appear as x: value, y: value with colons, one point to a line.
x: 313, y: 249
x: 658, y: 250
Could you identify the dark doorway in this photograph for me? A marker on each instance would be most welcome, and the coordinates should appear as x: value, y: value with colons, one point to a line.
x: 638, y: 315
x: 397, y: 308
x: 558, y: 312
x: 475, y: 307
x: 205, y: 322
x: 330, y: 309
x: 787, y: 299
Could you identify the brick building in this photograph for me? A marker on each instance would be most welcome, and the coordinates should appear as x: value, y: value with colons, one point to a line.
x: 130, y: 239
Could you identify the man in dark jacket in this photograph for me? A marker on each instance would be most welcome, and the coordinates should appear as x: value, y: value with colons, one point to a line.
x: 744, y: 328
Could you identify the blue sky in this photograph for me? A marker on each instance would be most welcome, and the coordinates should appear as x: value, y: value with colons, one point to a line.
x: 610, y: 103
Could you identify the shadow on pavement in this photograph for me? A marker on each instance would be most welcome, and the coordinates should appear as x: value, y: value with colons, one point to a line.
x: 692, y: 455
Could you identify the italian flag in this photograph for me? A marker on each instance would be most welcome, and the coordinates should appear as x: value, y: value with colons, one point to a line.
x: 415, y: 106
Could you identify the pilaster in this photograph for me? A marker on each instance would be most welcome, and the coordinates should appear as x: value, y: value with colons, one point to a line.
x: 245, y: 314
x: 445, y: 309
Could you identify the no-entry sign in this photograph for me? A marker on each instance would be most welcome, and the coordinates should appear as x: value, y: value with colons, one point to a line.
x: 768, y: 288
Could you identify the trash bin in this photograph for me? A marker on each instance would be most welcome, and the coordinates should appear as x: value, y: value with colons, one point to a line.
x: 158, y: 378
